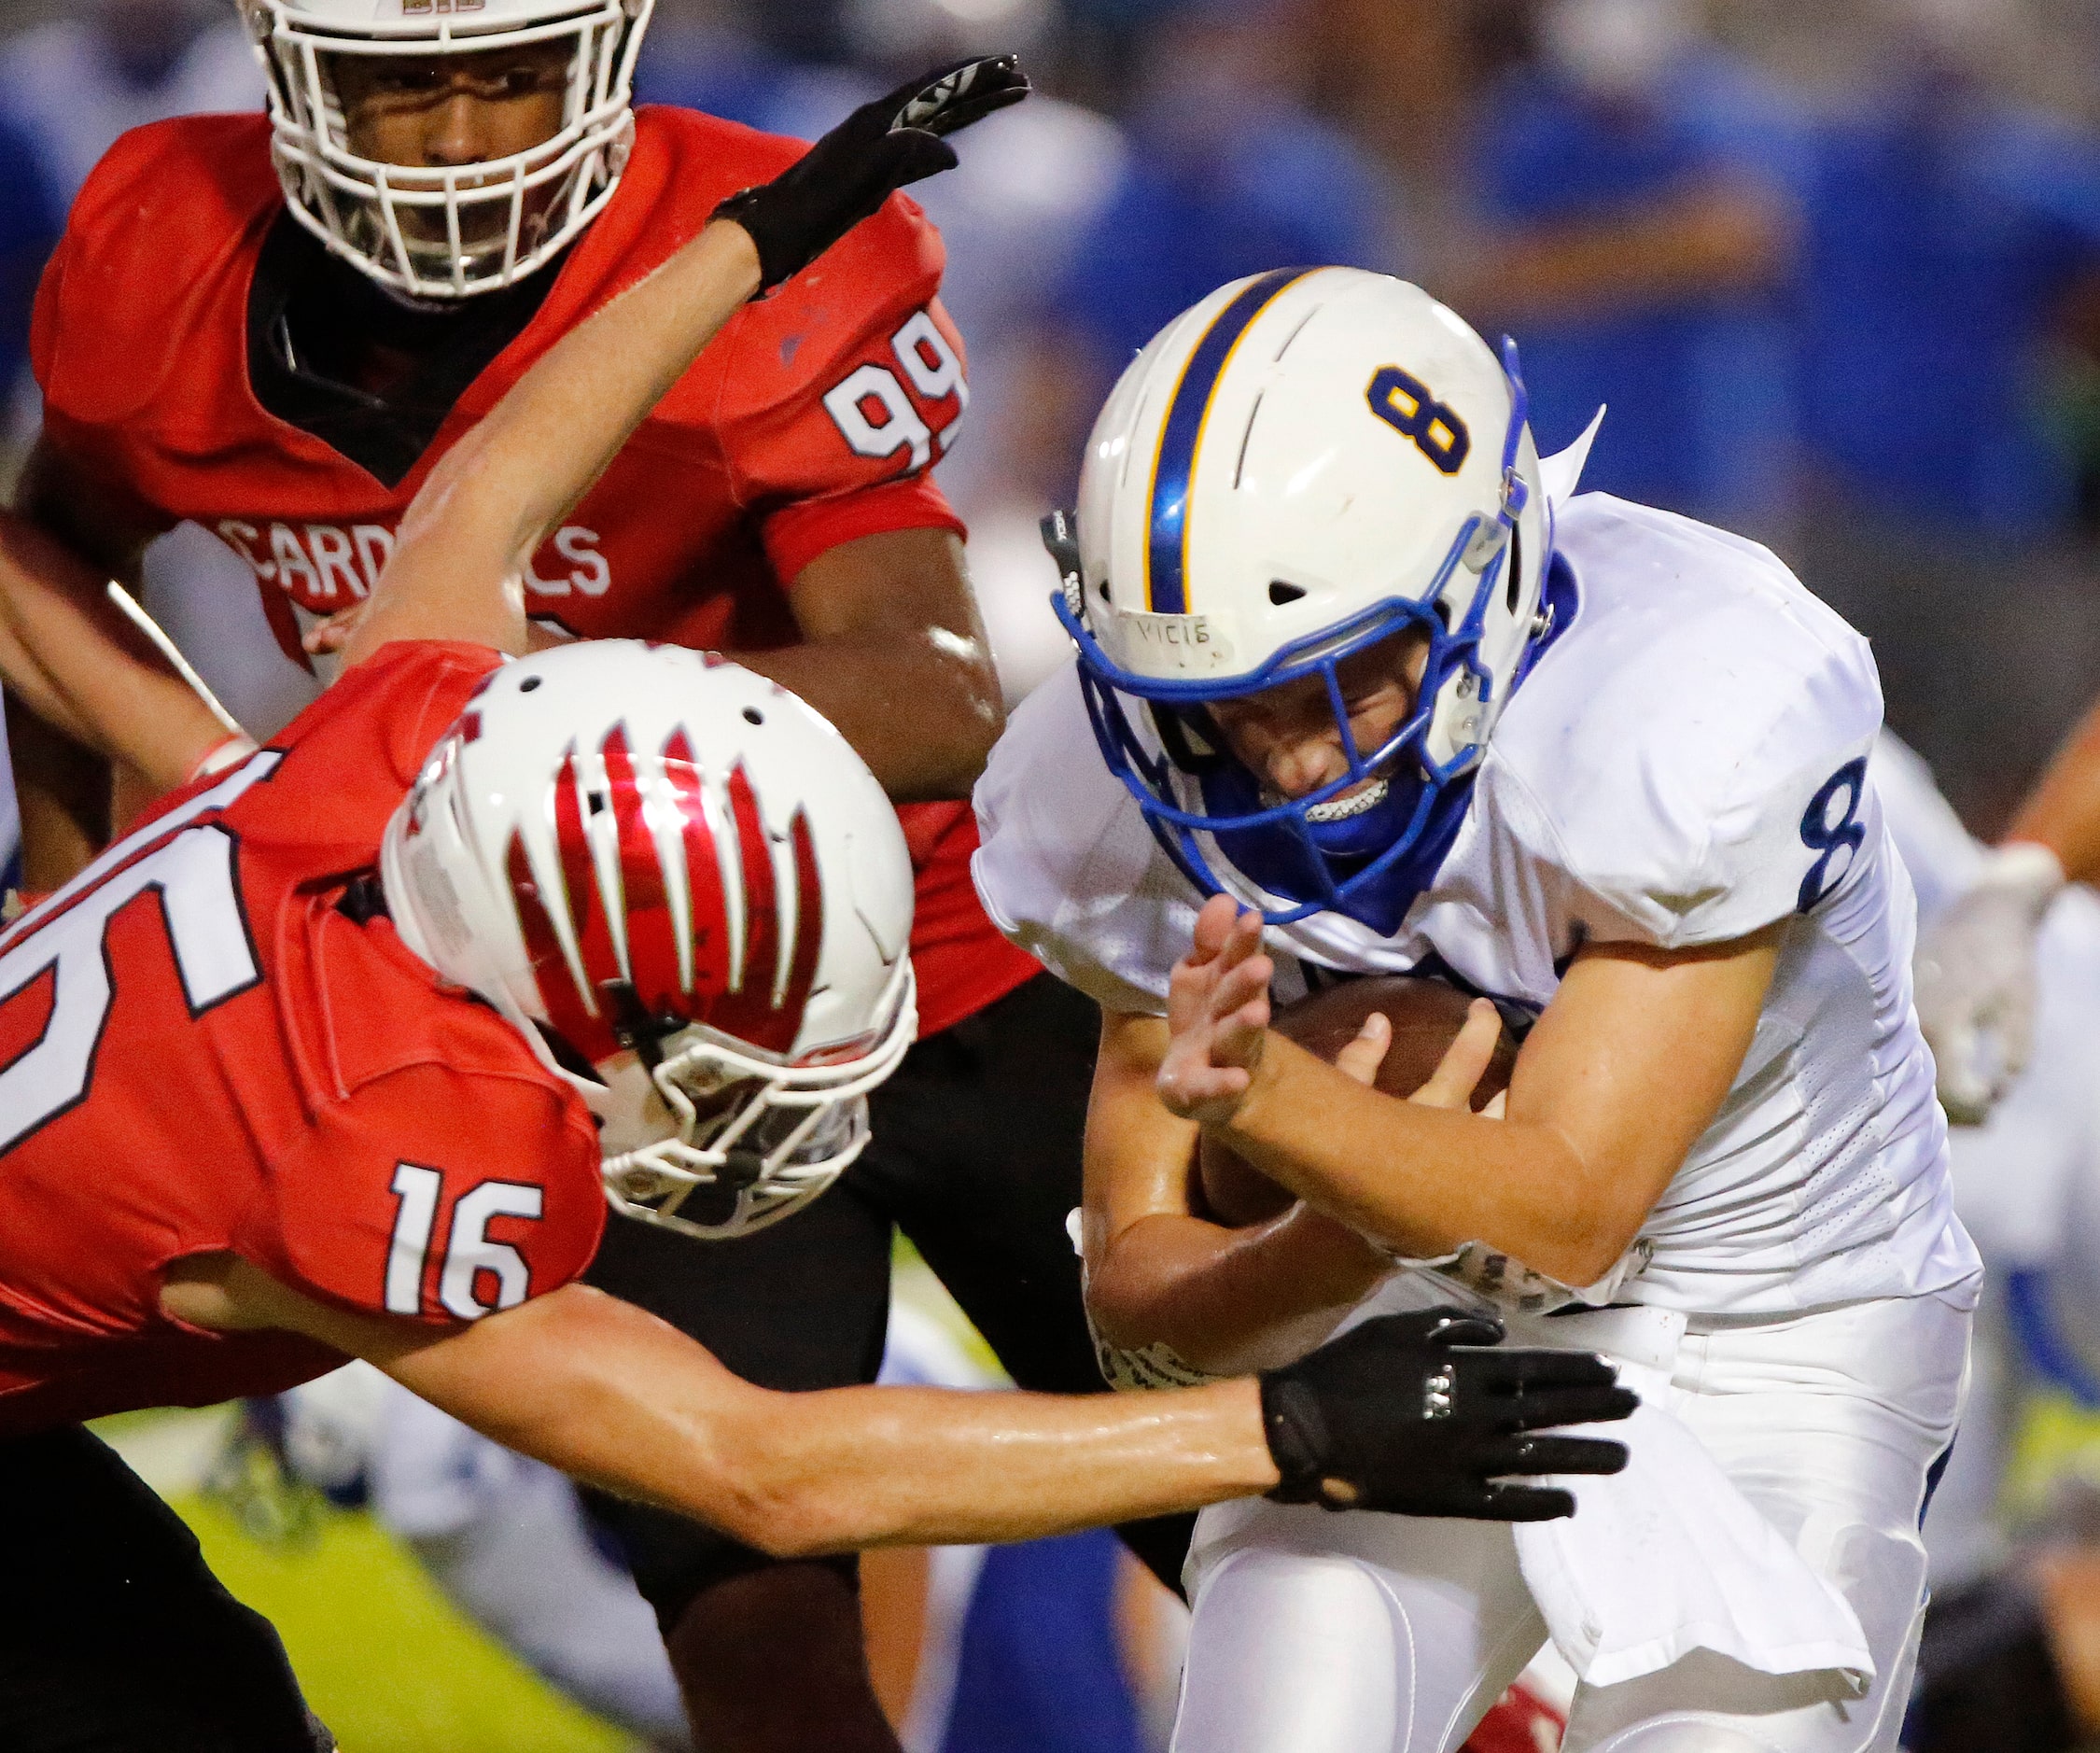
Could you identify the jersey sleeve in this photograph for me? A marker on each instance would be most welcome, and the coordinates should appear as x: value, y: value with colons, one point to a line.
x: 121, y: 320
x: 842, y: 390
x: 1708, y: 776
x: 435, y: 1194
x: 1065, y: 866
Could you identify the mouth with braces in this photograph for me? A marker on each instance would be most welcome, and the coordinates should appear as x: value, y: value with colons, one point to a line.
x: 1353, y: 804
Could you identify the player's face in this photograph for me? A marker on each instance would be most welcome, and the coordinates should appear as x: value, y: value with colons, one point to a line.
x: 1287, y: 735
x: 446, y: 112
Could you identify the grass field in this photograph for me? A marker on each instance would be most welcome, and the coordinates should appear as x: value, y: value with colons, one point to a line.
x: 387, y: 1662
x: 385, y: 1659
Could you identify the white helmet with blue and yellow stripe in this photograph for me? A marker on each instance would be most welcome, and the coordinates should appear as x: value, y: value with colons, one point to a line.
x: 1305, y: 464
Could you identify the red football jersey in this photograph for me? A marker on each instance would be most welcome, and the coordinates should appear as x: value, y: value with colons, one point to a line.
x: 203, y: 1052
x: 813, y: 420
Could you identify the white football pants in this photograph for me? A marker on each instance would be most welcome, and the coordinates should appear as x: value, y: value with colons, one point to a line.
x: 1324, y: 1633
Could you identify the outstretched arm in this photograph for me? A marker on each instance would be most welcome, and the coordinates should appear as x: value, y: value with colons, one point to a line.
x: 1975, y: 978
x: 616, y: 1397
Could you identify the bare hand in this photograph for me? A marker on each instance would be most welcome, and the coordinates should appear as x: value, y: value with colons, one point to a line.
x: 1217, y: 1016
x: 1465, y: 1062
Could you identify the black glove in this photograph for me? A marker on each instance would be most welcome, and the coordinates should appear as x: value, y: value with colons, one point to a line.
x: 1407, y: 1413
x: 853, y: 170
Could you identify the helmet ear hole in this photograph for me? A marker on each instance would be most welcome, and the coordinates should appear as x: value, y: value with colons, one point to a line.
x: 1514, y: 588
x: 1281, y: 591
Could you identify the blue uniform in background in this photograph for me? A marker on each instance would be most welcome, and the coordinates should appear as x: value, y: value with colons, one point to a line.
x: 1700, y: 390
x: 1262, y: 192
x: 29, y: 228
x: 1940, y: 234
x: 1040, y: 1670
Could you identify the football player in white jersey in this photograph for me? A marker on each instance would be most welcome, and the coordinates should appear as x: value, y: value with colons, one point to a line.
x: 1377, y: 693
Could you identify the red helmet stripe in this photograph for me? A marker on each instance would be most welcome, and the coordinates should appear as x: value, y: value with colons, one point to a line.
x: 580, y: 877
x: 809, y: 925
x: 747, y: 1012
x: 653, y: 957
x: 703, y: 876
x: 587, y: 1033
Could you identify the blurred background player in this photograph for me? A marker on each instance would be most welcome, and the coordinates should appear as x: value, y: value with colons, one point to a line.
x: 1633, y: 180
x: 2009, y: 1654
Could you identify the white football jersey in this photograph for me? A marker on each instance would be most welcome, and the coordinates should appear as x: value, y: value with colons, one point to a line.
x: 1685, y: 764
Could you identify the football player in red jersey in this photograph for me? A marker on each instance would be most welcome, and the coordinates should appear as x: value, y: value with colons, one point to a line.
x: 278, y: 327
x: 329, y: 1056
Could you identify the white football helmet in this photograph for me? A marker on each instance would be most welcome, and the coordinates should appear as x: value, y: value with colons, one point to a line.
x: 695, y: 885
x: 1307, y: 463
x: 447, y: 234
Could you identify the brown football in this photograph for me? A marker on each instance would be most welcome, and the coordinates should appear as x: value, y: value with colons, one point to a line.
x: 1426, y: 1016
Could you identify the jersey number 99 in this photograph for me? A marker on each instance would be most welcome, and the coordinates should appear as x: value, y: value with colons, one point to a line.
x: 875, y: 415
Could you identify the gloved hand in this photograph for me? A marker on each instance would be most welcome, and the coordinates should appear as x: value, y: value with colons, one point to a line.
x: 1411, y: 1413
x: 848, y: 174
x: 1975, y: 978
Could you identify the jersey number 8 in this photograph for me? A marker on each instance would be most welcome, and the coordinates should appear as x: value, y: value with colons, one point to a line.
x: 1831, y: 833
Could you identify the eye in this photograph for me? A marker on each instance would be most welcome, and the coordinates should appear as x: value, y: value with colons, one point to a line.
x: 401, y: 80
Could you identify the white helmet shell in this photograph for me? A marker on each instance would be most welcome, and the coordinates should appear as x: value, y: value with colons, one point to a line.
x: 647, y: 848
x: 1294, y: 451
x: 449, y: 232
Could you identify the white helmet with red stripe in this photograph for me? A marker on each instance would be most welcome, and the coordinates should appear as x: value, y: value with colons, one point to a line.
x: 689, y: 880
x: 450, y: 231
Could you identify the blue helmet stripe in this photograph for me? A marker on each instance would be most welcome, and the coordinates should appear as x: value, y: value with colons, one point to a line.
x: 1181, y: 439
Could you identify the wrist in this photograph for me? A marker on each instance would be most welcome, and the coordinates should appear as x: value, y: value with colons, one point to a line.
x: 1263, y: 1069
x: 741, y: 250
x: 1241, y: 1402
x: 1298, y: 1440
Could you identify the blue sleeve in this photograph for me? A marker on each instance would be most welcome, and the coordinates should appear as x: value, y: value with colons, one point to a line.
x: 1526, y: 152
x: 2050, y: 172
x: 29, y: 231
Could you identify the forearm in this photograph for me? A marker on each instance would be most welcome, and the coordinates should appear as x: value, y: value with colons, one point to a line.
x: 73, y: 658
x: 2062, y: 812
x: 1719, y: 242
x: 919, y: 705
x: 1229, y: 1300
x: 1427, y: 1180
x: 503, y: 489
x: 628, y: 1404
